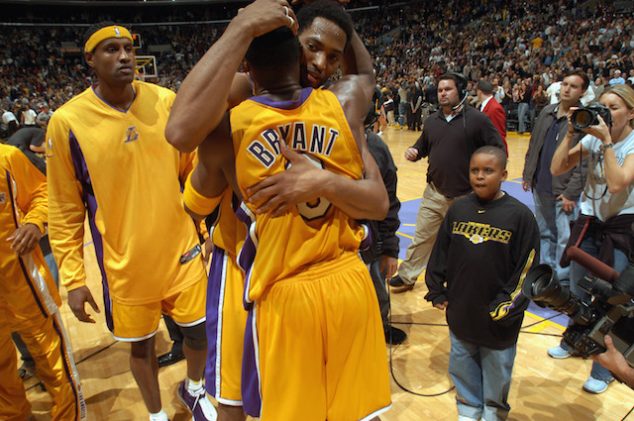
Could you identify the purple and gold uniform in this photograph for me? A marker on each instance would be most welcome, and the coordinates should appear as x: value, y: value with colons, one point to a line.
x: 226, y: 316
x: 118, y: 166
x: 314, y: 345
x: 29, y: 299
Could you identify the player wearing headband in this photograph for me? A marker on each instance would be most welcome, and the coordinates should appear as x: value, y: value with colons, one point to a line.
x: 107, y: 156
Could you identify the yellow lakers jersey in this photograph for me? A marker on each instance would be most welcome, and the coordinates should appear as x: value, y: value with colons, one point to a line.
x: 23, y: 200
x: 119, y: 167
x: 228, y: 232
x: 310, y: 233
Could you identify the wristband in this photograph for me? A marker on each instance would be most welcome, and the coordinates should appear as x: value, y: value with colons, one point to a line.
x: 196, y: 202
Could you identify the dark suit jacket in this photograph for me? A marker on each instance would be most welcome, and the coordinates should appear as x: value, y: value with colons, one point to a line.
x: 497, y: 115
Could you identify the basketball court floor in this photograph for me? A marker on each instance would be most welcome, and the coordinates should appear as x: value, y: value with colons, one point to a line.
x: 543, y: 389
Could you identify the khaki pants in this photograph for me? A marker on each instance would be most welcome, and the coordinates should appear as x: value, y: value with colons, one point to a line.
x: 431, y: 213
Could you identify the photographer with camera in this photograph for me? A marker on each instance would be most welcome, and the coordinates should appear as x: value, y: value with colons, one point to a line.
x: 607, y: 206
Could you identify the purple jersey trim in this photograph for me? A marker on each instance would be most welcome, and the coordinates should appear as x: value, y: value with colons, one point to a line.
x: 112, y: 106
x: 88, y: 195
x: 251, y: 398
x: 246, y: 256
x: 214, y: 289
x: 284, y: 105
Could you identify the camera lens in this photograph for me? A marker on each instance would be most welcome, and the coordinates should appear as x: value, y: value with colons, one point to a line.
x: 582, y: 119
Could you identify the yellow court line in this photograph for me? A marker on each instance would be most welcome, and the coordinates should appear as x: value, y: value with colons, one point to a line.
x: 545, y: 323
x: 409, y: 225
x: 404, y: 235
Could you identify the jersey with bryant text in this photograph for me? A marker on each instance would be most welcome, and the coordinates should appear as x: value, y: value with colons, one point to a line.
x: 118, y: 166
x: 310, y: 233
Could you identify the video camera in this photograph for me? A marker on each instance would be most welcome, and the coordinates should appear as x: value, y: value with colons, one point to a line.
x: 610, y: 311
x: 584, y: 117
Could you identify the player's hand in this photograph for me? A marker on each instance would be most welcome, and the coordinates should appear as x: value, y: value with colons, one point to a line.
x: 611, y: 359
x: 207, y: 250
x: 263, y: 16
x: 567, y: 205
x: 299, y: 183
x: 388, y: 266
x: 526, y: 186
x: 442, y: 306
x: 24, y: 239
x: 411, y: 154
x: 77, y: 299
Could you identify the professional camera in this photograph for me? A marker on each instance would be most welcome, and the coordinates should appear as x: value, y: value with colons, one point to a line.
x: 584, y: 117
x: 609, y: 312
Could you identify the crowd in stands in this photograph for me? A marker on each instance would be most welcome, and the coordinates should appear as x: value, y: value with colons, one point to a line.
x: 521, y: 47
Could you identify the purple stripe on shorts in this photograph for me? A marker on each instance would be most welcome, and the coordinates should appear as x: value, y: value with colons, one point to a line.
x: 214, y: 289
x: 246, y: 256
x: 88, y: 195
x: 251, y: 399
x: 285, y: 105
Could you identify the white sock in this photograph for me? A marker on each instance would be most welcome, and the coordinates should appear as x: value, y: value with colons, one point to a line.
x: 194, y: 386
x: 159, y: 416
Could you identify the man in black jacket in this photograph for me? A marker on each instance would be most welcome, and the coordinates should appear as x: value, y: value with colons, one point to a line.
x: 449, y: 137
x: 382, y: 257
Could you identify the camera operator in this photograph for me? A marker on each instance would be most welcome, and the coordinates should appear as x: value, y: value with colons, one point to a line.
x: 607, y: 206
x: 614, y: 361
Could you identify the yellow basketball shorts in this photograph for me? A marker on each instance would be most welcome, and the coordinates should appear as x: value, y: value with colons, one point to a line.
x: 315, y: 347
x: 225, y: 323
x: 134, y: 323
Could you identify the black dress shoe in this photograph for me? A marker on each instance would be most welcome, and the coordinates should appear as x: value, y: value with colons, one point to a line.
x: 394, y: 336
x: 398, y: 285
x: 170, y: 358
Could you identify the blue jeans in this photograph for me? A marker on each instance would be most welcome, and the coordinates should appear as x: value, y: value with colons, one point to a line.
x: 482, y: 377
x: 522, y: 111
x: 402, y: 112
x: 577, y: 272
x: 554, y: 232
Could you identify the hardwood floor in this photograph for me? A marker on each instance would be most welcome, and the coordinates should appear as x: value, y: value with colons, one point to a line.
x: 543, y: 389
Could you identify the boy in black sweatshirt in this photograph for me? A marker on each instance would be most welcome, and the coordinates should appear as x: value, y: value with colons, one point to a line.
x: 485, y: 247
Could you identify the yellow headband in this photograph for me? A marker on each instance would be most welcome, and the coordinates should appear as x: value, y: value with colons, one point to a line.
x: 105, y: 33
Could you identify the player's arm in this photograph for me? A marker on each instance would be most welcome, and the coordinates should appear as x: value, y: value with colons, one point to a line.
x: 352, y: 91
x: 32, y: 199
x: 204, y: 188
x: 509, y: 301
x: 357, y: 60
x: 203, y: 97
x: 66, y: 215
